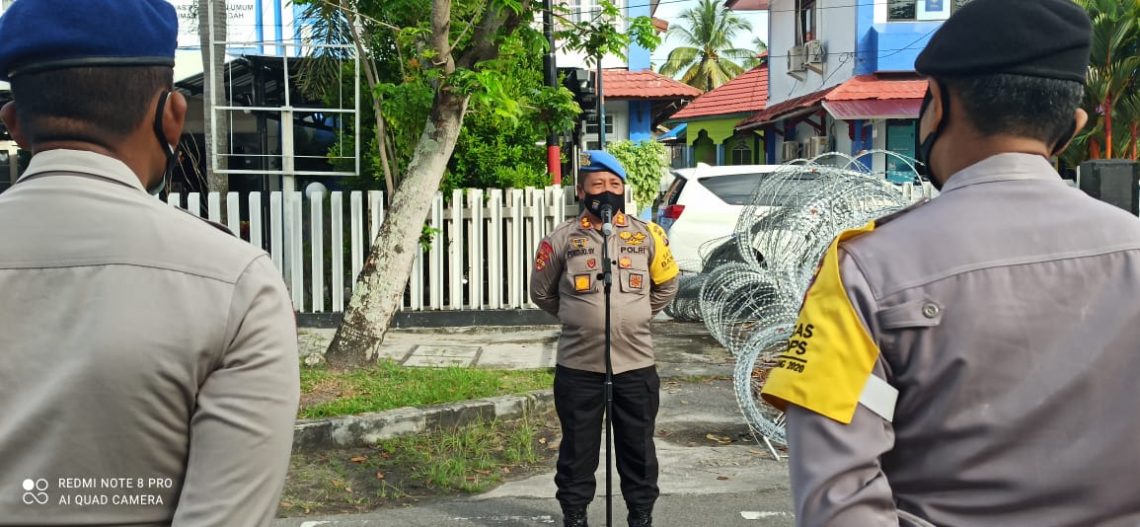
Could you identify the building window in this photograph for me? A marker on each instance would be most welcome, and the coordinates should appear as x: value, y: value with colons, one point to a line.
x: 592, y: 124
x: 805, y: 21
x: 902, y: 139
x: 906, y: 10
x: 740, y: 152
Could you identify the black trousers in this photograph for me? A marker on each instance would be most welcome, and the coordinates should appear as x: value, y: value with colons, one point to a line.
x: 579, y: 398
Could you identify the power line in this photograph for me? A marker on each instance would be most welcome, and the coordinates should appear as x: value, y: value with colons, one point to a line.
x: 770, y: 11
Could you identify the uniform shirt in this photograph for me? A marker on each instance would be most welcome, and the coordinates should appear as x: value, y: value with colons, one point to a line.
x: 150, y: 371
x: 1006, y: 314
x: 565, y: 284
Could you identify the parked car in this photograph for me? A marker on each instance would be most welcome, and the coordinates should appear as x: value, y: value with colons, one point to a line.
x: 701, y: 207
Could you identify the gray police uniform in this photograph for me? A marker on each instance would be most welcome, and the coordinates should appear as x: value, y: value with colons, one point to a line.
x: 565, y: 284
x: 150, y: 372
x: 1006, y: 313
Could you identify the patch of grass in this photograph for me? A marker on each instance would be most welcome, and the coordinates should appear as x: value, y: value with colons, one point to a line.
x: 387, y: 385
x: 469, y: 459
x: 404, y: 470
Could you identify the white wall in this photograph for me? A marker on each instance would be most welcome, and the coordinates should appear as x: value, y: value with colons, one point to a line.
x: 879, y: 139
x: 620, y: 112
x: 835, y: 26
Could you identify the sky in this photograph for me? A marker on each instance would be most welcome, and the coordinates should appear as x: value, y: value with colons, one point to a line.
x: 670, y: 10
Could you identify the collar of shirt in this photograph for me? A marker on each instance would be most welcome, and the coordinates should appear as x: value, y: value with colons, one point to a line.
x: 586, y: 223
x: 82, y: 162
x: 1003, y: 167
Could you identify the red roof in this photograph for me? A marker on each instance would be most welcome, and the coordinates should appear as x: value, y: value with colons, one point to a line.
x: 747, y: 5
x: 622, y: 84
x: 748, y: 92
x: 871, y: 97
x: 868, y: 87
x: 776, y: 112
x: 874, y: 109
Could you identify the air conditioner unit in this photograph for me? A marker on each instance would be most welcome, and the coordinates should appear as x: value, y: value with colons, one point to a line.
x: 790, y: 151
x: 796, y: 59
x: 815, y: 52
x: 817, y: 146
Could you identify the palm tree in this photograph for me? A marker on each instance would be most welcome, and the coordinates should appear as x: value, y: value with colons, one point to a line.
x: 759, y: 47
x: 707, y: 32
x: 1112, y: 81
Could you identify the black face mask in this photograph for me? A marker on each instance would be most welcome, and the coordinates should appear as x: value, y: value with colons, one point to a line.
x: 927, y: 146
x: 170, y: 151
x: 595, y: 202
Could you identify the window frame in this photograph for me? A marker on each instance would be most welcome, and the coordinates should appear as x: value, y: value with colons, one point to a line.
x: 954, y: 6
x: 806, y: 12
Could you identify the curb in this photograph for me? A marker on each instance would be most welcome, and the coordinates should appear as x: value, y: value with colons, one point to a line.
x: 366, y: 429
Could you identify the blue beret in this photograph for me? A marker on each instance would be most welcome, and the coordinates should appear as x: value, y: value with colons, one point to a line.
x: 39, y: 35
x: 1036, y: 38
x: 601, y: 161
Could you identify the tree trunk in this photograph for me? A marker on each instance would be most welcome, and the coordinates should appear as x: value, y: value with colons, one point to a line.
x: 215, y: 55
x: 380, y: 287
x: 377, y: 102
x: 1135, y: 129
x: 1108, y: 126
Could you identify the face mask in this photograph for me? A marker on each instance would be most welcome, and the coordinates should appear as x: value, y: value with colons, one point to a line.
x: 927, y: 146
x: 595, y: 203
x: 170, y: 151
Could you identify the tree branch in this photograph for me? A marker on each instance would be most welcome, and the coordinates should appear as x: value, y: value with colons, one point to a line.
x: 441, y: 35
x: 484, y: 46
x: 342, y: 6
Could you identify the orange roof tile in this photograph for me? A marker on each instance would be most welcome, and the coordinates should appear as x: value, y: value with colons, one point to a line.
x: 775, y: 112
x: 622, y: 84
x: 748, y: 92
x: 868, y: 87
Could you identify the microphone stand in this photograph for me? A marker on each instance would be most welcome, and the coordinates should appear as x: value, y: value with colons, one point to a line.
x: 607, y: 280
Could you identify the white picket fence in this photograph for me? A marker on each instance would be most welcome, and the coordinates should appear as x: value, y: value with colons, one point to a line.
x: 482, y: 242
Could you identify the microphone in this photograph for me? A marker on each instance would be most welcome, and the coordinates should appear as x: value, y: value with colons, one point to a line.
x: 607, y: 219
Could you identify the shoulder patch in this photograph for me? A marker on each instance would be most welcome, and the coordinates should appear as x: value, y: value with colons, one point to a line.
x: 664, y: 266
x: 830, y: 355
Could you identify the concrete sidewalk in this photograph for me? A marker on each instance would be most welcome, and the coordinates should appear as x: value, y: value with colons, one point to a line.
x: 682, y: 348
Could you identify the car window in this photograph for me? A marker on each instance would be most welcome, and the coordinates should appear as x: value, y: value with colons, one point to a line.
x: 738, y: 189
x: 734, y: 190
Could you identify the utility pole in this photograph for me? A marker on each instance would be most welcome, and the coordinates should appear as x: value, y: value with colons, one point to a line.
x: 553, y: 149
x: 601, y: 110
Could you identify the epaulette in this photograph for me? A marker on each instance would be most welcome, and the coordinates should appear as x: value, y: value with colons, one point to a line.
x: 895, y: 215
x: 213, y: 224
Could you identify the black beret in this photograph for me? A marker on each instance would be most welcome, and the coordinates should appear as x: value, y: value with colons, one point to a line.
x: 1037, y: 38
x: 38, y: 35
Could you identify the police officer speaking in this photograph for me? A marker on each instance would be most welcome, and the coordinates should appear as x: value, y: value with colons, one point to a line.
x: 150, y: 372
x: 973, y: 361
x: 565, y: 284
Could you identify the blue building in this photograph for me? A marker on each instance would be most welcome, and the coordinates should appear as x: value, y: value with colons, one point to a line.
x: 842, y: 77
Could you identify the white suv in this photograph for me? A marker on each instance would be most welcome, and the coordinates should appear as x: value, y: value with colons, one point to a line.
x: 702, y: 205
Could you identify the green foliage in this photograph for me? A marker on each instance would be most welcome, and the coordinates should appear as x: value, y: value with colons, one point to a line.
x: 1113, y: 84
x: 706, y: 57
x: 429, y: 232
x: 602, y: 35
x: 644, y: 163
x: 510, y: 109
